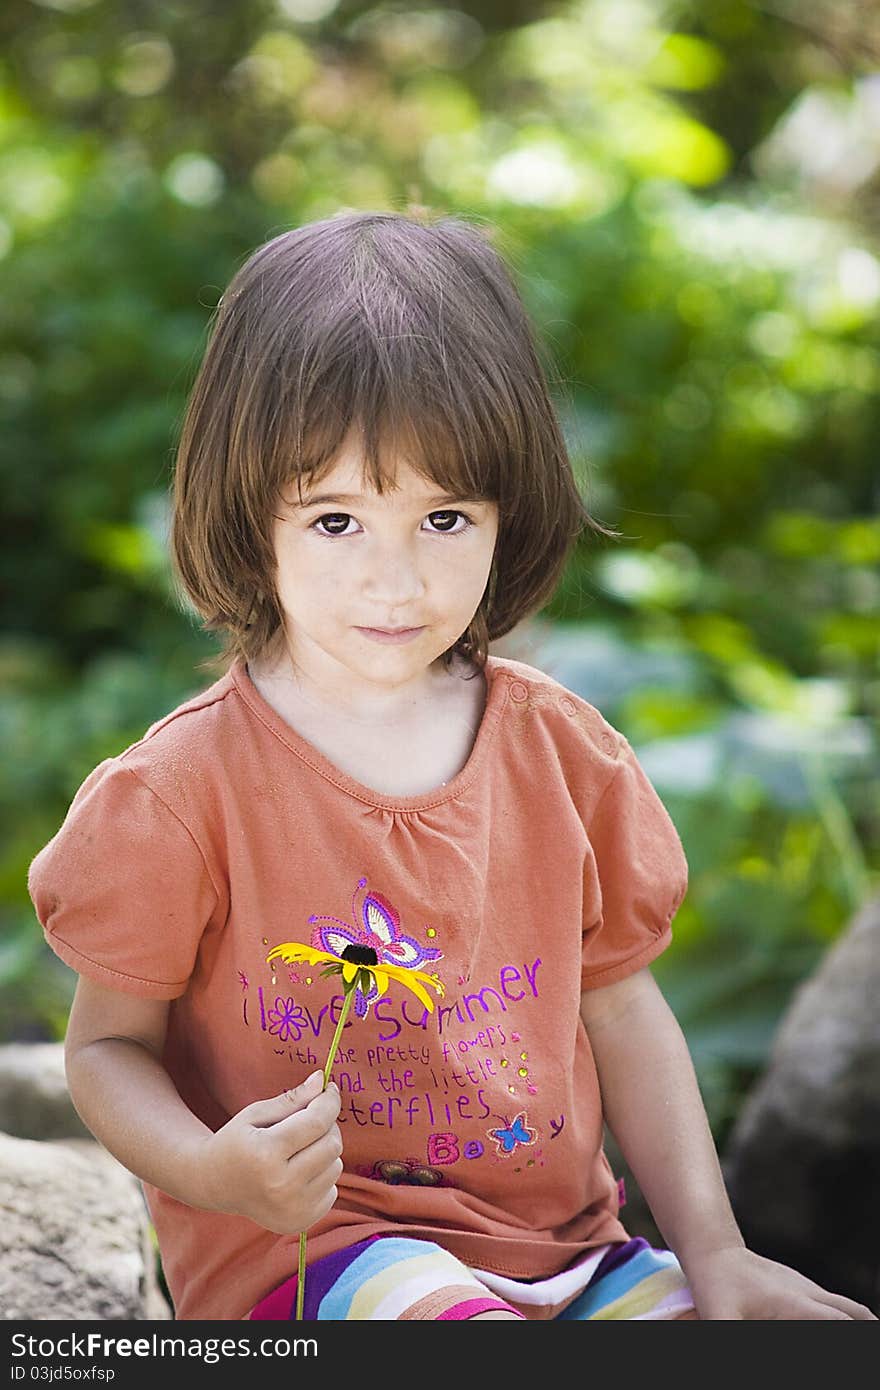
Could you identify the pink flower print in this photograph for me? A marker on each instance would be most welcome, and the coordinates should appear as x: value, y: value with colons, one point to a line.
x: 287, y: 1020
x: 378, y: 929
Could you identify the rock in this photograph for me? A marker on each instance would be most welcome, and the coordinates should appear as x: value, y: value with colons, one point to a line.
x: 75, y: 1240
x: 802, y: 1163
x: 34, y: 1099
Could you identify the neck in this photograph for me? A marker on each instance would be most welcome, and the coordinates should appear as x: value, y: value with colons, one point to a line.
x: 384, y: 712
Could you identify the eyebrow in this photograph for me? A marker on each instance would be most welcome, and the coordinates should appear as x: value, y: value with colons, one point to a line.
x: 359, y: 500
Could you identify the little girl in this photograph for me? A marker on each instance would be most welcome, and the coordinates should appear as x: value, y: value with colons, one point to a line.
x: 371, y: 487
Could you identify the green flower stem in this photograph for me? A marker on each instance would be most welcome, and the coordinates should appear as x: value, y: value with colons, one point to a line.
x: 328, y: 1067
x: 343, y: 1015
x: 301, y: 1277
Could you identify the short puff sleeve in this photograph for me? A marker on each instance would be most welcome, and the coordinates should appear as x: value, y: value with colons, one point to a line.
x: 636, y: 879
x: 123, y: 891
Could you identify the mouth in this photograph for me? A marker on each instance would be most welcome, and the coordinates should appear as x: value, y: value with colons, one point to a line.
x: 391, y: 634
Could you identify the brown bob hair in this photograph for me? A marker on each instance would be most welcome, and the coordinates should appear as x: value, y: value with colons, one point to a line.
x: 408, y: 327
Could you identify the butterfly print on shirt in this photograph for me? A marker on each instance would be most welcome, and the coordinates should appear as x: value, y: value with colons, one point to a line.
x: 379, y: 929
x: 513, y: 1134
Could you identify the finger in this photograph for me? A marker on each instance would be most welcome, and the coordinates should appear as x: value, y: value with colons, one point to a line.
x: 321, y: 1200
x: 328, y: 1177
x: 849, y: 1308
x: 320, y: 1161
x: 263, y: 1113
x: 843, y: 1306
x: 813, y: 1310
x: 299, y: 1133
x: 296, y: 1132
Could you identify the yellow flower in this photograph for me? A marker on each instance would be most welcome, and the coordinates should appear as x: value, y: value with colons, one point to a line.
x: 359, y: 965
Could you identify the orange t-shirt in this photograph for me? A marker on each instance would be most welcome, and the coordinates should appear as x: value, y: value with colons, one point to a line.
x: 546, y: 866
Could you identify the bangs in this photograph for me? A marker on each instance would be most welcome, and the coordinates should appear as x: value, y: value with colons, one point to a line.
x: 463, y: 465
x: 408, y: 375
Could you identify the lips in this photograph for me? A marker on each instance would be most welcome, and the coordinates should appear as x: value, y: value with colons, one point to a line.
x: 395, y: 634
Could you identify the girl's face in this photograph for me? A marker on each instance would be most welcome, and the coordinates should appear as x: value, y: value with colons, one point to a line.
x: 349, y: 560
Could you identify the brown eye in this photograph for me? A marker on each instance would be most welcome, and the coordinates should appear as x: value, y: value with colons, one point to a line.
x: 448, y: 520
x: 331, y: 519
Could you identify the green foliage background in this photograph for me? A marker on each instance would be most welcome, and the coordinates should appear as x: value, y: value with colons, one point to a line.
x: 688, y: 194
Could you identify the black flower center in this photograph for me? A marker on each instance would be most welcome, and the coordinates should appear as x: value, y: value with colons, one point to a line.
x: 360, y: 955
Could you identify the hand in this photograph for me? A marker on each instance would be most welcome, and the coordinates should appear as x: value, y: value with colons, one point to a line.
x: 276, y: 1161
x: 736, y: 1284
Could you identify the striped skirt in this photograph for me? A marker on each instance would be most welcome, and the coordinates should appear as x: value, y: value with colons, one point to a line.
x: 393, y: 1278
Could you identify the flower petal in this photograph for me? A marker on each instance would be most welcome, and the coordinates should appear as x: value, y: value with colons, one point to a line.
x: 413, y: 980
x: 380, y: 978
x: 292, y: 952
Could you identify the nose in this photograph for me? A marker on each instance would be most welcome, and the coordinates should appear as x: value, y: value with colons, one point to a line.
x: 393, y: 580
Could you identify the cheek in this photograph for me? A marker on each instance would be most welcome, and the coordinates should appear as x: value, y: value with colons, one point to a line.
x: 464, y: 583
x: 480, y: 561
x: 464, y: 564
x: 303, y: 570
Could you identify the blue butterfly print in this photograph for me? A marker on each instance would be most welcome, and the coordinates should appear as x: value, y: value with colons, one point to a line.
x: 513, y: 1134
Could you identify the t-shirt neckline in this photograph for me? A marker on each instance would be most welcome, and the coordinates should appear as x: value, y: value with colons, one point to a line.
x: 496, y: 695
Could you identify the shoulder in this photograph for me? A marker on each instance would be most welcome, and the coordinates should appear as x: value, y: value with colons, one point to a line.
x: 539, y: 700
x: 179, y: 762
x: 206, y: 709
x: 162, y: 790
x: 187, y: 746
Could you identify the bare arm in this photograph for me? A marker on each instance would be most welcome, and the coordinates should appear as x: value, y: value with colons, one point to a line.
x: 653, y: 1107
x: 276, y: 1161
x: 124, y: 1095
